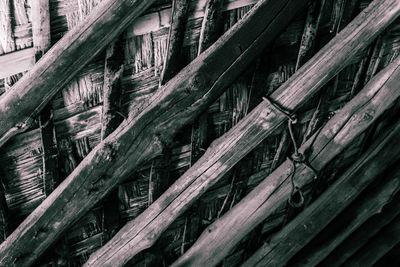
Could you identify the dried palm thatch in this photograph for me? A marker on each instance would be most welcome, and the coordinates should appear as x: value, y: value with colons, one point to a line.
x: 77, y: 115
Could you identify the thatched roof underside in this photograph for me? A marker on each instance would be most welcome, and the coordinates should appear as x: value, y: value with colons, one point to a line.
x: 77, y: 112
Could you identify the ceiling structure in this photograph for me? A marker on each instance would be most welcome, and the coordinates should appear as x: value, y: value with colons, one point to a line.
x: 184, y: 133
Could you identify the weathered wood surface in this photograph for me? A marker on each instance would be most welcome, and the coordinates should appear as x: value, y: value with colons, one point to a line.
x: 274, y: 191
x: 112, y: 90
x: 360, y: 237
x: 173, y: 58
x: 19, y: 106
x: 225, y: 152
x: 276, y: 14
x: 140, y: 137
x: 6, y: 30
x: 281, y: 247
x: 211, y: 28
x: 211, y: 25
x: 378, y: 246
x: 41, y: 27
x: 16, y: 62
x: 41, y: 43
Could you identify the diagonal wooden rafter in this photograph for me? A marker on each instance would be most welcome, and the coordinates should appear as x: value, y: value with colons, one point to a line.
x: 225, y: 152
x: 274, y: 191
x: 386, y: 239
x: 361, y: 236
x: 140, y: 137
x: 287, y: 242
x: 19, y: 106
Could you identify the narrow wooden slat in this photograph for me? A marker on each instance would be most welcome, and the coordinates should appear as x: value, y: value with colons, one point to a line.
x: 19, y: 106
x: 16, y: 62
x: 173, y: 58
x: 287, y: 242
x: 225, y: 152
x: 143, y: 133
x: 274, y: 191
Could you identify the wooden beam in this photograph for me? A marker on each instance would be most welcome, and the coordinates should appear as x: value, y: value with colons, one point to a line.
x: 16, y: 62
x: 112, y: 91
x: 281, y: 247
x: 275, y: 189
x: 360, y: 237
x: 42, y: 43
x: 225, y: 152
x: 6, y: 30
x: 172, y: 62
x: 142, y: 135
x: 41, y: 27
x: 368, y: 204
x: 209, y: 33
x: 378, y: 246
x: 19, y: 106
x: 211, y: 25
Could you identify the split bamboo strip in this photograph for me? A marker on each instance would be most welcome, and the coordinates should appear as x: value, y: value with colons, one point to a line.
x: 225, y: 152
x: 142, y: 135
x: 286, y: 243
x: 19, y: 106
x: 274, y: 191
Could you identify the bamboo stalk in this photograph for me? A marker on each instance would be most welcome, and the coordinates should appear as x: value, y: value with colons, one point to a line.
x: 226, y: 151
x: 286, y: 243
x: 142, y: 135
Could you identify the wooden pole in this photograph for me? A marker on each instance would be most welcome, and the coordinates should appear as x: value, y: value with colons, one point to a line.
x: 386, y: 239
x: 216, y: 240
x: 141, y: 137
x: 172, y: 62
x: 20, y: 106
x: 226, y: 151
x: 112, y: 91
x: 209, y: 33
x: 41, y: 43
x: 286, y: 243
x: 360, y: 237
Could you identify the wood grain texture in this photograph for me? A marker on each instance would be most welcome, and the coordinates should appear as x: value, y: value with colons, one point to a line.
x: 173, y: 58
x: 248, y: 133
x: 386, y: 239
x: 247, y: 37
x: 28, y: 97
x: 142, y: 134
x: 274, y: 191
x: 112, y: 90
x: 288, y: 241
x: 16, y: 62
x: 40, y: 27
x: 361, y: 236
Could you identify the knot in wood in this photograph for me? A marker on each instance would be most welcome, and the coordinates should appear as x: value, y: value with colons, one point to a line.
x: 109, y: 152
